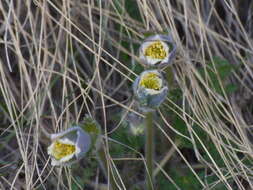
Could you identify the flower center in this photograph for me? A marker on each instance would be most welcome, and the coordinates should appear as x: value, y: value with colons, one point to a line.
x: 156, y: 50
x: 151, y: 81
x: 61, y: 150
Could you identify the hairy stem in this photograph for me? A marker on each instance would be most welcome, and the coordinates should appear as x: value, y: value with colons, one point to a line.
x: 149, y: 152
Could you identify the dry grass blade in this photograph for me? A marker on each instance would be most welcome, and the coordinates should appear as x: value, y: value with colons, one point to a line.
x: 61, y: 60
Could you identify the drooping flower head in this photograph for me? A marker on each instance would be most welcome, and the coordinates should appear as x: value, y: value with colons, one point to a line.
x: 150, y: 89
x: 157, y: 51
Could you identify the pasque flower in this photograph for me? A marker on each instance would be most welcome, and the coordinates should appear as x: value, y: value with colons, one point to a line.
x: 157, y: 50
x: 69, y: 146
x: 74, y: 143
x: 150, y: 89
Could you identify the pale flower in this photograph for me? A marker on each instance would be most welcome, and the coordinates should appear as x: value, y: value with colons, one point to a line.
x: 69, y: 146
x: 150, y: 89
x: 157, y: 51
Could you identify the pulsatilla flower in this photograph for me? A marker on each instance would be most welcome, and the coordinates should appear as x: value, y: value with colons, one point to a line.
x: 158, y: 50
x: 69, y: 146
x: 150, y: 89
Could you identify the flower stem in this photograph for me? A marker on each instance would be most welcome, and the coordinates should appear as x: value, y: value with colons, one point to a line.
x: 149, y: 152
x: 102, y: 159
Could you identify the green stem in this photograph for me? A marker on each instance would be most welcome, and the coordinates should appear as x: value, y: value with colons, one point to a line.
x: 101, y: 156
x: 149, y: 152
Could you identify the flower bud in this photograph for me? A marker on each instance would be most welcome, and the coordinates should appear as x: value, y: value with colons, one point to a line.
x: 150, y: 89
x: 157, y: 51
x: 136, y: 123
x: 92, y: 127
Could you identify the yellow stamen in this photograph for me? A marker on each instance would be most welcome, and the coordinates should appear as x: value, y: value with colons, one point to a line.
x: 61, y: 150
x: 156, y: 50
x: 151, y: 81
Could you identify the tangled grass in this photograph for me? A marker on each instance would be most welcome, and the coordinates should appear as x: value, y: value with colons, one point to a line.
x: 63, y: 59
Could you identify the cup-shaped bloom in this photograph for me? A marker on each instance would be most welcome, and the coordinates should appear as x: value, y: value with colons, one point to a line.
x: 157, y: 51
x: 69, y: 146
x: 150, y: 89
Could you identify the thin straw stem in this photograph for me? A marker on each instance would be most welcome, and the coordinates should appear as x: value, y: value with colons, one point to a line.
x: 102, y: 159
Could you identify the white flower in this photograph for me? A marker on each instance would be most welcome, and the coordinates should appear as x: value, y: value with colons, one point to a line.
x: 157, y: 50
x: 150, y: 89
x: 69, y: 146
